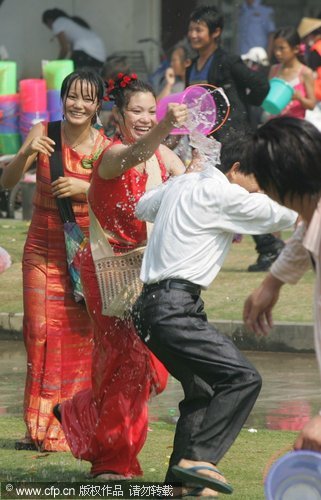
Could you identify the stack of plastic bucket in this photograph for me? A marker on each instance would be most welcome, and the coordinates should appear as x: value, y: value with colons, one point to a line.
x: 33, y: 104
x: 54, y: 73
x: 10, y: 139
x: 54, y: 105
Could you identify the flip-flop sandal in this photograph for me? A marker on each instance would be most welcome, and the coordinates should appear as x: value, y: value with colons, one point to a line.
x: 189, y: 475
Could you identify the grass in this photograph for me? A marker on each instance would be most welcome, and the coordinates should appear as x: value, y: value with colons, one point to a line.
x: 244, y: 465
x: 224, y: 299
x: 250, y: 456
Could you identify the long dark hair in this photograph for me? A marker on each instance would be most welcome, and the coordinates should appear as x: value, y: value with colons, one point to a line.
x: 51, y: 15
x: 289, y: 34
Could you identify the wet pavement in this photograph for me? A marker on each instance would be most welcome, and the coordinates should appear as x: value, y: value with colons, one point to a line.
x: 291, y: 390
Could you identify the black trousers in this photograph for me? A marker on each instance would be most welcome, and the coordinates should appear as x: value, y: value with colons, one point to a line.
x: 267, y: 243
x: 220, y: 385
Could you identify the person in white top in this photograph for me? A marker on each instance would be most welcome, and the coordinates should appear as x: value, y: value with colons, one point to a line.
x: 76, y: 39
x: 195, y: 217
x: 285, y: 157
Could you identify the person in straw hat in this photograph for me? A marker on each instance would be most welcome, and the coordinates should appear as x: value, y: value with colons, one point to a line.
x: 309, y: 30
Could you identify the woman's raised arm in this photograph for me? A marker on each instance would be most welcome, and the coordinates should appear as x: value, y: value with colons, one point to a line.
x: 120, y: 158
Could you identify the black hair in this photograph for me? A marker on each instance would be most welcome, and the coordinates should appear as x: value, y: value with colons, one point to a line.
x: 188, y: 52
x: 289, y: 34
x: 232, y: 149
x: 284, y: 155
x: 80, y: 21
x: 210, y: 15
x: 121, y: 94
x: 316, y: 32
x: 113, y: 65
x: 52, y: 15
x: 94, y: 80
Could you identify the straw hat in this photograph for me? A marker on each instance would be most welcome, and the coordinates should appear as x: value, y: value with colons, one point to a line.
x: 308, y: 25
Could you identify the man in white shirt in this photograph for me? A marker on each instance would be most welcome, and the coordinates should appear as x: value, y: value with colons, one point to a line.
x: 195, y: 217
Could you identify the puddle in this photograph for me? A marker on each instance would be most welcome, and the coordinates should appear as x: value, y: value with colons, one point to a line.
x: 290, y: 393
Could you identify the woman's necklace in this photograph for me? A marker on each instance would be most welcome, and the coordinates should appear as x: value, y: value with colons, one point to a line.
x: 81, y: 139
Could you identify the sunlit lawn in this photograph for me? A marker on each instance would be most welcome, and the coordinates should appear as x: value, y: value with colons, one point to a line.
x: 224, y: 299
x: 244, y: 465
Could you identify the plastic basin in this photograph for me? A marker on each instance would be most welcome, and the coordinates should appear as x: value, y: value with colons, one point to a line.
x: 295, y: 476
x: 201, y: 107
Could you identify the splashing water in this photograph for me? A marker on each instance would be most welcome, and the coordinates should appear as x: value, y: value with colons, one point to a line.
x: 208, y: 148
x: 203, y: 110
x: 200, y: 117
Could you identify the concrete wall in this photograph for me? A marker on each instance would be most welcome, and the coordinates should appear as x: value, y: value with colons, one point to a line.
x: 119, y: 22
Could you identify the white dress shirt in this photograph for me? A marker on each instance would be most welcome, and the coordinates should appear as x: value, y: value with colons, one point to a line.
x: 294, y: 260
x: 196, y: 216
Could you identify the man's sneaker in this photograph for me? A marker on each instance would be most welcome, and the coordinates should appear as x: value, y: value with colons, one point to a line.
x: 264, y: 261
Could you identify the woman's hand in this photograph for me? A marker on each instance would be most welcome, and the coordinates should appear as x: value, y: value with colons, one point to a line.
x: 41, y: 144
x: 176, y: 115
x: 297, y: 96
x: 64, y: 187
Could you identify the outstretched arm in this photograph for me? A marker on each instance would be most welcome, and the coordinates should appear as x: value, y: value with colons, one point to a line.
x: 63, y: 44
x: 120, y: 158
x: 149, y: 203
x: 289, y: 267
x: 257, y: 312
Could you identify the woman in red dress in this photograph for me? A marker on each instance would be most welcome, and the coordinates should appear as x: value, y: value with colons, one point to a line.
x: 57, y: 330
x: 107, y: 425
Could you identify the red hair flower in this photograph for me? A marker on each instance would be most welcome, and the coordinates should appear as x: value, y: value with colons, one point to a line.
x: 121, y: 81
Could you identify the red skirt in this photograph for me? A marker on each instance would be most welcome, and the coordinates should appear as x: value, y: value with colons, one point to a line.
x: 107, y: 425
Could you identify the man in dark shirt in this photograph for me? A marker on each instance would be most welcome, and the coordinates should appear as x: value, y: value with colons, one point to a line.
x: 243, y: 87
x: 213, y: 65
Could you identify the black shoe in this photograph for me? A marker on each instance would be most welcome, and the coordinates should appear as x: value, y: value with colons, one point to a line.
x: 264, y: 261
x: 56, y: 412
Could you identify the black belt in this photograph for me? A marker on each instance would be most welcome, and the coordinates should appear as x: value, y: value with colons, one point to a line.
x: 177, y: 284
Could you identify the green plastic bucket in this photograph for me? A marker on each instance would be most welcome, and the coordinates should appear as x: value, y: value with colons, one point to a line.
x: 8, y: 77
x: 279, y: 96
x: 55, y: 72
x: 9, y: 144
